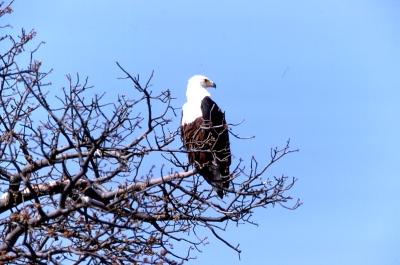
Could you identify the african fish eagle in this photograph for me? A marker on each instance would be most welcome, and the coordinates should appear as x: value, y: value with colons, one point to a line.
x: 205, y: 134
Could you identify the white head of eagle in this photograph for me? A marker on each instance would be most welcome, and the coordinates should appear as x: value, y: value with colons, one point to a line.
x: 205, y: 134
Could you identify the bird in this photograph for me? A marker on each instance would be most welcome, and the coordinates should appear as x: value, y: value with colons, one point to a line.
x: 205, y: 134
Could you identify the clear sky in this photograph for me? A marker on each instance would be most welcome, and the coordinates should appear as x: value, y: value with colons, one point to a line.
x: 325, y: 74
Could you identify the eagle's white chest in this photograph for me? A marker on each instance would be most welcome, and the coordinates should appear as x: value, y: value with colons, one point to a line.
x: 191, y: 110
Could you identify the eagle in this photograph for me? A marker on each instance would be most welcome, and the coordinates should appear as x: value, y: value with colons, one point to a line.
x: 205, y: 134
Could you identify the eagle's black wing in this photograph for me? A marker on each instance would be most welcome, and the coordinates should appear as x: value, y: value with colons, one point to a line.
x: 218, y: 137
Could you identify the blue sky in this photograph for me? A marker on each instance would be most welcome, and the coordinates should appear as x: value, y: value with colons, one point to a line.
x: 323, y: 73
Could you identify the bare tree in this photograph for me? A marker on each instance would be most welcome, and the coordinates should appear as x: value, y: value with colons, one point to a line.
x: 75, y: 180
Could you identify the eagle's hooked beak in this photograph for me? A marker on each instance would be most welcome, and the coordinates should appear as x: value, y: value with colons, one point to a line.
x: 210, y: 83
